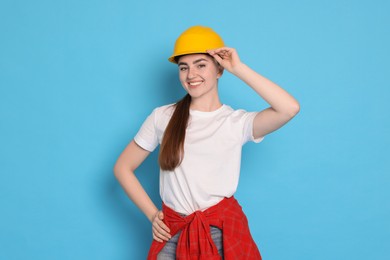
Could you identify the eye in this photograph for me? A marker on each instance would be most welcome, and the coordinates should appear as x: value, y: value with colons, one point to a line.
x: 200, y: 66
x: 182, y: 68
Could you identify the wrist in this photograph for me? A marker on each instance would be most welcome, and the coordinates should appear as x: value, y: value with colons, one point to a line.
x: 239, y: 69
x: 152, y: 215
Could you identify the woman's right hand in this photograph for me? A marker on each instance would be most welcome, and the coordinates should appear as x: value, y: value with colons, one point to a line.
x: 160, y: 230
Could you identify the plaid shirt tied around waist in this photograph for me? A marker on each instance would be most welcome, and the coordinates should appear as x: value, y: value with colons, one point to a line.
x: 195, y: 240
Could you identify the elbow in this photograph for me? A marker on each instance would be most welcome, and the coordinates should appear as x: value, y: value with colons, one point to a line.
x: 293, y: 110
x: 117, y: 170
x: 296, y: 108
x: 122, y: 169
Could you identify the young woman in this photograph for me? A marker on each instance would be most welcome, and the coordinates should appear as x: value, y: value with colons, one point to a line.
x: 201, y: 140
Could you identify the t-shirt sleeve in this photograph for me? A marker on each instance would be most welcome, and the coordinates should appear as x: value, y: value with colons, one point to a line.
x: 248, y: 118
x: 147, y: 134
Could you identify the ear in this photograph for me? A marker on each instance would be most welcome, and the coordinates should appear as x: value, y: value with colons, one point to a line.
x: 220, y: 71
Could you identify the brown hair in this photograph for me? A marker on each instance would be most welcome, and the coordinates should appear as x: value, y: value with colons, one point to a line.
x: 172, y: 145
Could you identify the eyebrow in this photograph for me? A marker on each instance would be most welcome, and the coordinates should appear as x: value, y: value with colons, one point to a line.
x: 196, y: 61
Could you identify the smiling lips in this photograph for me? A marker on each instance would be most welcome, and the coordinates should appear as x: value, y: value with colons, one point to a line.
x: 195, y: 83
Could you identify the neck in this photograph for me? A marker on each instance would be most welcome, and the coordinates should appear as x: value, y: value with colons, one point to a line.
x: 206, y: 105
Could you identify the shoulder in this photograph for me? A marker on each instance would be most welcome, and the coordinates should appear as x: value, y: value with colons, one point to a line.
x: 239, y: 118
x: 162, y: 114
x: 236, y: 113
x: 164, y: 110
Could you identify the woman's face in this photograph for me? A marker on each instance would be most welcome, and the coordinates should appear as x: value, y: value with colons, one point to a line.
x: 199, y: 74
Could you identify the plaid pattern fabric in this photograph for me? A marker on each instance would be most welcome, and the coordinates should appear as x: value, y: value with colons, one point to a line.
x: 195, y: 241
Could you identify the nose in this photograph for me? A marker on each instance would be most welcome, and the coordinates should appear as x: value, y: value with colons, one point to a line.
x: 191, y: 73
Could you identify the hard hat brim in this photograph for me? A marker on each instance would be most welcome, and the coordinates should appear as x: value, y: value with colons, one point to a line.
x: 173, y: 57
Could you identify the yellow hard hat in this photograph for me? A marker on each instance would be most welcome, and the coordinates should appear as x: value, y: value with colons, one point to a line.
x: 196, y: 39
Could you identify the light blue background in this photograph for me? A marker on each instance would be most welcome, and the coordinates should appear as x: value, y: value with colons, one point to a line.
x: 78, y: 78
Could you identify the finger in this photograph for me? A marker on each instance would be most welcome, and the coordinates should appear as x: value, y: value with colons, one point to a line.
x: 216, y: 57
x: 157, y: 239
x: 162, y: 228
x: 161, y: 223
x: 161, y: 231
x: 217, y: 50
x: 160, y: 234
x: 160, y: 215
x: 223, y: 54
x: 216, y: 54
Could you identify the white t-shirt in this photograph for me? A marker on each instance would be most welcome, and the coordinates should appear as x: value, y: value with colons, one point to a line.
x: 212, y: 155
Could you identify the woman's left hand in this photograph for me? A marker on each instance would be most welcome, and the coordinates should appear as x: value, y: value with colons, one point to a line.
x: 226, y: 57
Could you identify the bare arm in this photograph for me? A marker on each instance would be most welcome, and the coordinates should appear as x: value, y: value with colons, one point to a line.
x: 283, y: 106
x: 127, y: 163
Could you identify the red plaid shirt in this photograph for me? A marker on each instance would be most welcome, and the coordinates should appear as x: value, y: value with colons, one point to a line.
x: 195, y: 240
